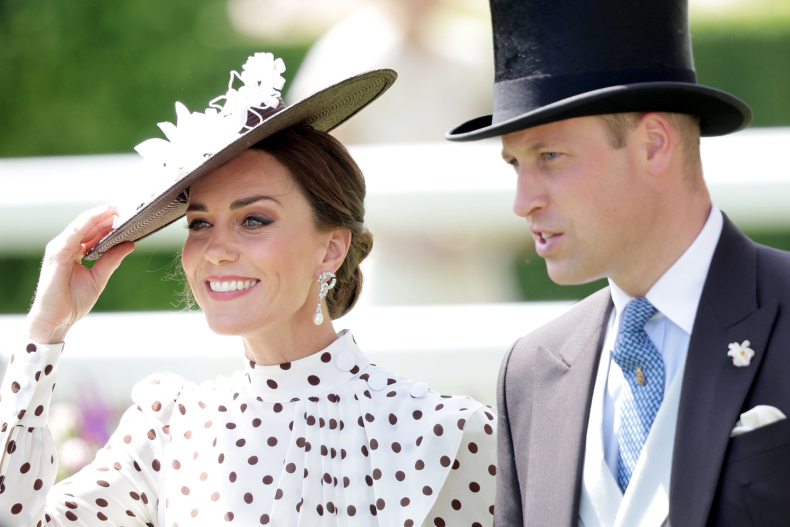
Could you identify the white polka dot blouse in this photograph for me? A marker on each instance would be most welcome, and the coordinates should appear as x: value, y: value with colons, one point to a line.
x: 327, y: 440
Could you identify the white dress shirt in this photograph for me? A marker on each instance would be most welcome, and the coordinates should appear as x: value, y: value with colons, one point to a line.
x: 676, y: 296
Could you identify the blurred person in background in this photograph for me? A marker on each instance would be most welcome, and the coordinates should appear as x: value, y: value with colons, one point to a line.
x: 661, y: 399
x: 436, y: 48
x: 309, y: 431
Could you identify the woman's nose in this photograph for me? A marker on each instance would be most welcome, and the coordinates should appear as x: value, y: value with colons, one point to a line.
x: 220, y: 247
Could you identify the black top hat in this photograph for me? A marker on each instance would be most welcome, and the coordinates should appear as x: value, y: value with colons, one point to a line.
x: 558, y: 59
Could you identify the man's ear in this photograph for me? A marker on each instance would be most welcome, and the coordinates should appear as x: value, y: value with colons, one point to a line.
x: 336, y: 249
x: 659, y: 140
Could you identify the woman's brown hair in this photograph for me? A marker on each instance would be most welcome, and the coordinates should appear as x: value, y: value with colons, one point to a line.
x: 333, y: 185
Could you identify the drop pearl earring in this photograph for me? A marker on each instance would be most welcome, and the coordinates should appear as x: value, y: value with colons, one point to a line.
x: 327, y: 281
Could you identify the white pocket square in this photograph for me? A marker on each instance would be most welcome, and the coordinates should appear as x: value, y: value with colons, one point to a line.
x: 757, y: 417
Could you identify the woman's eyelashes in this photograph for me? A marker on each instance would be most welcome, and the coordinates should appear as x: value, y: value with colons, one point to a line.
x: 255, y: 222
x: 251, y: 222
x: 197, y: 224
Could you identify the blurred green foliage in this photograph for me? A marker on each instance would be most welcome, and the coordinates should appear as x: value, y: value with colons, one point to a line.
x: 752, y: 66
x: 88, y: 76
x: 94, y: 77
x: 143, y: 282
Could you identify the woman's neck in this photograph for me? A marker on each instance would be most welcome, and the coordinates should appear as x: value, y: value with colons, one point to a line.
x: 289, y: 341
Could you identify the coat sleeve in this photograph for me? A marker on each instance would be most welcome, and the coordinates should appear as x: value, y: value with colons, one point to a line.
x: 120, y: 487
x: 467, y: 496
x: 508, y: 511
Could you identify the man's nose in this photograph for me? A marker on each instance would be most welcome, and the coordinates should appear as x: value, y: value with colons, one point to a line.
x: 531, y: 194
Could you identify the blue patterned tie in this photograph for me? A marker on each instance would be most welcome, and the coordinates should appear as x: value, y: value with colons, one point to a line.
x: 641, y: 396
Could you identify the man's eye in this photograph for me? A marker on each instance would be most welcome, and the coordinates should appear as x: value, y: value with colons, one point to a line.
x: 197, y: 224
x: 551, y: 156
x: 254, y: 221
x: 513, y: 162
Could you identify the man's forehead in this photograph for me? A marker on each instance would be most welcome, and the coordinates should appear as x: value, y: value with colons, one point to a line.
x: 538, y: 137
x: 527, y: 140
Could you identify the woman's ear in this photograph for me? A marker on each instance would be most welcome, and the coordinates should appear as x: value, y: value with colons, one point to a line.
x: 336, y: 250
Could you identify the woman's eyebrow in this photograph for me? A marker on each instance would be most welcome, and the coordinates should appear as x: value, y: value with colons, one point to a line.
x: 243, y: 202
x: 197, y: 207
x: 236, y: 205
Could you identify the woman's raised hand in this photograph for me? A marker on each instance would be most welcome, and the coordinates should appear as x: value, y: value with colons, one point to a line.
x: 66, y: 290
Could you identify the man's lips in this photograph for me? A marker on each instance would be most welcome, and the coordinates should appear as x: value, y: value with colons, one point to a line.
x: 546, y: 241
x: 543, y: 234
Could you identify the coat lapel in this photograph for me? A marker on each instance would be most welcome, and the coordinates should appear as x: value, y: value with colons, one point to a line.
x: 714, y: 390
x: 564, y: 385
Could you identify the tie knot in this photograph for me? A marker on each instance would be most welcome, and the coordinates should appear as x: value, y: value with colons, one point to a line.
x: 636, y: 314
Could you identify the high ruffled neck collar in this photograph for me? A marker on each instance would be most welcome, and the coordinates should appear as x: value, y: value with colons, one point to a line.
x: 310, y: 376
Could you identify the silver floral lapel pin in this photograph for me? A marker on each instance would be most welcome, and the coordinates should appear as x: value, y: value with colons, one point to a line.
x: 741, y: 353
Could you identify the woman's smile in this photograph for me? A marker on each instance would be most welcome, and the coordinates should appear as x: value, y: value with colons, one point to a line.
x: 229, y: 287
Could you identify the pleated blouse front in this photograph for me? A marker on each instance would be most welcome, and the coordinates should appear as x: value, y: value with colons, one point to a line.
x: 327, y: 440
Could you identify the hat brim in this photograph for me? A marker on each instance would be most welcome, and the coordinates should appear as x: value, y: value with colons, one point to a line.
x: 720, y: 113
x: 322, y: 111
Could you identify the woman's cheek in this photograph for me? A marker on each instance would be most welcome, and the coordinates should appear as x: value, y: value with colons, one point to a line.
x: 189, y: 265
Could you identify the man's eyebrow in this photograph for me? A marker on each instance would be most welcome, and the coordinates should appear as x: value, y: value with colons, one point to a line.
x: 507, y: 156
x: 236, y: 205
x: 531, y: 148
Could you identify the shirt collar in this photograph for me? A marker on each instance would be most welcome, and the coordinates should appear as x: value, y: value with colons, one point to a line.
x: 309, y: 376
x: 676, y: 294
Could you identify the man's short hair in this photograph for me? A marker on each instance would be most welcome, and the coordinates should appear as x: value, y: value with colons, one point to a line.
x: 619, y: 125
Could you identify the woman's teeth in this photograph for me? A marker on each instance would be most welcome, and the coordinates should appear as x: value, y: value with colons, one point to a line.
x: 546, y: 235
x: 233, y: 285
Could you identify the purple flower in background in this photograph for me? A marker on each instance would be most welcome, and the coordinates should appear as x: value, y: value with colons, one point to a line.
x: 98, y: 415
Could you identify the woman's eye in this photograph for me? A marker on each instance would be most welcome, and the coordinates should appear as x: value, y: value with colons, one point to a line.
x: 513, y: 162
x: 254, y: 221
x: 551, y: 156
x: 197, y: 224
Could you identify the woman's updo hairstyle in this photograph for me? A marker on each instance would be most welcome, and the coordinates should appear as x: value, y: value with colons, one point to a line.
x: 333, y: 185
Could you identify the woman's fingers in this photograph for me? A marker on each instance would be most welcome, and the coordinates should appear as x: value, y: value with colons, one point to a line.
x: 109, y: 262
x: 98, y: 236
x: 81, y: 227
x: 104, y: 226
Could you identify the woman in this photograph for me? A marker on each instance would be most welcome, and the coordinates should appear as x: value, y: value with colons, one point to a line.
x: 309, y: 433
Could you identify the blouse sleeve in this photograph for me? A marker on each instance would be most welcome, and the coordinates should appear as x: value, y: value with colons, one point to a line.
x: 119, y: 487
x: 467, y: 496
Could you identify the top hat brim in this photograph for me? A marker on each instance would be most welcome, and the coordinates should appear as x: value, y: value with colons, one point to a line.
x: 322, y: 111
x: 720, y: 113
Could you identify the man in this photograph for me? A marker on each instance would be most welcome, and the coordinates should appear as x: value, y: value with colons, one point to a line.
x: 662, y: 398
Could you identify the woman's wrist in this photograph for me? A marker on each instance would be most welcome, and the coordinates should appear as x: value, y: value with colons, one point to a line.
x: 42, y: 332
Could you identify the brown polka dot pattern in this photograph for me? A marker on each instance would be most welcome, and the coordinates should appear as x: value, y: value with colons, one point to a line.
x: 271, y: 443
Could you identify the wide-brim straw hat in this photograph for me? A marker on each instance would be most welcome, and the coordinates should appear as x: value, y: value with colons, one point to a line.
x: 322, y: 111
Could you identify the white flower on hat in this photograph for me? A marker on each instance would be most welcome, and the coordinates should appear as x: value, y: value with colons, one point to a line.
x: 741, y: 353
x: 262, y: 79
x: 194, y: 137
x: 197, y: 136
x: 264, y: 69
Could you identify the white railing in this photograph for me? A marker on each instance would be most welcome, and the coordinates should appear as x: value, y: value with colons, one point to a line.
x: 456, y: 349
